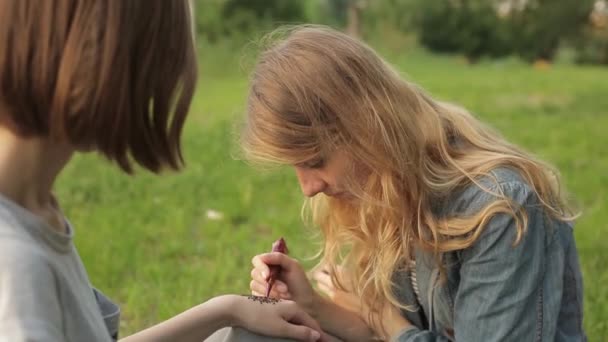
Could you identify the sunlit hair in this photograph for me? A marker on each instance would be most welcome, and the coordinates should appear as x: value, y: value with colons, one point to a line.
x: 115, y: 76
x: 315, y: 90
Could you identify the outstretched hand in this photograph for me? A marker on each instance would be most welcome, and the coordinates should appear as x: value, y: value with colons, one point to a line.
x: 276, y: 318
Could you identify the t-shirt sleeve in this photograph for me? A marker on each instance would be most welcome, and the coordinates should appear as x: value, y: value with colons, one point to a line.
x: 29, y: 302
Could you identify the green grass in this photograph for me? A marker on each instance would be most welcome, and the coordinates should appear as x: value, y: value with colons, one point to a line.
x: 148, y: 243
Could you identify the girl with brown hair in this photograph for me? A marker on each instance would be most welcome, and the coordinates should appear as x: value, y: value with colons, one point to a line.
x: 114, y: 77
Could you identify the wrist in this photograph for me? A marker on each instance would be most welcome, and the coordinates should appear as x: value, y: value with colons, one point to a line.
x: 338, y: 321
x: 225, y: 308
x: 317, y: 306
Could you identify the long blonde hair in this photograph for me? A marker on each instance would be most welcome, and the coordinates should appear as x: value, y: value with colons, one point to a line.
x: 315, y: 90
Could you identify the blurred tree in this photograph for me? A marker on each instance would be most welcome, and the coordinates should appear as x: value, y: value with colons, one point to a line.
x: 353, y: 17
x: 219, y: 18
x: 344, y: 13
x: 275, y: 10
x: 396, y: 13
x: 533, y: 29
x: 541, y: 25
x: 593, y: 47
x: 335, y: 12
x: 208, y: 17
x: 470, y: 27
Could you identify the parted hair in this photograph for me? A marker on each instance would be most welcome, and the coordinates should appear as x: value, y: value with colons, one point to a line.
x: 113, y: 76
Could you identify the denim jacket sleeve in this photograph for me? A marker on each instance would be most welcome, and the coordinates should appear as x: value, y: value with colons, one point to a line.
x: 499, y: 294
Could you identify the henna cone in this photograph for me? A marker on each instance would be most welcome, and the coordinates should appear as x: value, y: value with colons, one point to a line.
x: 281, y: 247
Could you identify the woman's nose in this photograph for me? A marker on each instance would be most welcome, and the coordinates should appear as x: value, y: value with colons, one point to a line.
x: 310, y: 183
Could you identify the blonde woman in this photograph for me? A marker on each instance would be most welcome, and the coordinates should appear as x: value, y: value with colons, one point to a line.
x: 442, y: 229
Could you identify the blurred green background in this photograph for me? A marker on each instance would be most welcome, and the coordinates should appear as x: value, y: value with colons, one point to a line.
x: 535, y: 70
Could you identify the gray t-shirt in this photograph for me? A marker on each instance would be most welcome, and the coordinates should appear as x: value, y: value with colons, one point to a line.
x: 45, y: 294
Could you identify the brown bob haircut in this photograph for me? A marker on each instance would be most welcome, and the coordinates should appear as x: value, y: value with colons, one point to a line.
x: 116, y: 76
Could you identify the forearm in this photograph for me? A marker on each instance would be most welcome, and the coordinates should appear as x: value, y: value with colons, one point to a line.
x: 340, y: 322
x: 194, y: 325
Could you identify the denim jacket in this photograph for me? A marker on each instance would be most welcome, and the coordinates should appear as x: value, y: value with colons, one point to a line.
x: 495, y: 290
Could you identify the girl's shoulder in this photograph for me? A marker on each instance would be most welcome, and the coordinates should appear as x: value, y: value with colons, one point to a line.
x: 500, y: 183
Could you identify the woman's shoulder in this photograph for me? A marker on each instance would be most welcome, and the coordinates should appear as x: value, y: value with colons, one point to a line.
x: 499, y: 179
x: 499, y: 183
x: 501, y: 230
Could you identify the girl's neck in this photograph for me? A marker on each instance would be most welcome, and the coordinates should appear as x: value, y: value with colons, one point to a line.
x: 28, y: 169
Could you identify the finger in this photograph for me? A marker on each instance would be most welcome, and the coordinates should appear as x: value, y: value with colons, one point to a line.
x: 325, y: 337
x: 317, y: 273
x: 277, y: 286
x: 327, y: 291
x: 280, y: 287
x: 323, y: 286
x: 286, y: 296
x: 259, y: 289
x: 323, y: 278
x: 261, y: 266
x: 256, y: 274
x: 276, y: 258
x: 300, y: 332
x: 304, y: 320
x: 297, y: 315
